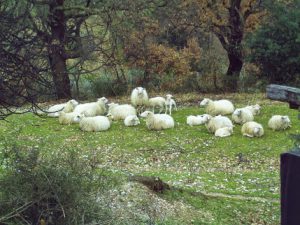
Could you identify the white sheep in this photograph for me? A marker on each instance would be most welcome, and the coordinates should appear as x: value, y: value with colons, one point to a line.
x: 95, y: 123
x: 93, y: 108
x: 197, y: 120
x: 279, y: 122
x: 139, y: 98
x: 170, y: 102
x: 159, y: 102
x: 67, y: 118
x: 67, y: 107
x: 131, y: 120
x: 120, y: 112
x: 224, y: 132
x: 219, y: 107
x: 158, y: 121
x: 252, y: 129
x: 242, y: 115
x: 218, y: 122
x: 255, y: 109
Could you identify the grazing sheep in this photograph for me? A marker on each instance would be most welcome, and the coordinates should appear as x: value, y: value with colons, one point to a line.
x: 170, y: 102
x: 131, y: 120
x: 120, y: 112
x: 158, y: 121
x: 242, y: 115
x: 279, y: 122
x: 197, y: 120
x: 94, y: 124
x: 252, y: 129
x: 219, y: 107
x: 67, y: 118
x: 255, y: 109
x: 224, y: 132
x: 218, y: 122
x: 92, y: 108
x: 157, y: 102
x: 139, y: 98
x: 67, y: 107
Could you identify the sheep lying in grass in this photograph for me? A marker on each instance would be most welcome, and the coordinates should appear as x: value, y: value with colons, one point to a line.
x: 67, y: 107
x: 255, y: 109
x: 159, y: 102
x: 170, y: 102
x: 158, y: 121
x: 252, y: 129
x: 95, y: 123
x: 93, y: 108
x: 279, y: 122
x: 242, y: 115
x: 224, y: 132
x: 67, y: 118
x: 219, y: 107
x: 131, y: 120
x: 197, y: 120
x: 120, y: 112
x: 218, y: 122
x: 139, y: 98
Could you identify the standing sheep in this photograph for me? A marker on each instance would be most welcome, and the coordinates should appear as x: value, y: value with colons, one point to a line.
x: 224, y: 132
x: 92, y: 108
x: 242, y: 115
x: 218, y: 122
x: 120, y: 112
x: 279, y: 122
x: 219, y: 107
x: 159, y: 102
x: 94, y: 124
x: 139, y: 98
x: 67, y: 118
x: 252, y: 129
x: 255, y: 109
x: 197, y: 120
x: 170, y: 102
x: 67, y: 107
x: 158, y: 121
x: 131, y: 120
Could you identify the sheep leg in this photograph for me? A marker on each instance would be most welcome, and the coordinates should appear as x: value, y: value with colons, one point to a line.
x: 170, y: 109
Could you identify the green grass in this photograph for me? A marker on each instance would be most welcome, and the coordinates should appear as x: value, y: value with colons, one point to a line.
x: 188, y: 158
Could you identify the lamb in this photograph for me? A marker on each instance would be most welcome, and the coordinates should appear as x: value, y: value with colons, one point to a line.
x: 197, y: 120
x: 157, y: 102
x: 218, y: 122
x: 242, y: 115
x: 224, y: 132
x: 67, y: 118
x: 139, y: 98
x: 170, y: 103
x: 219, y: 107
x: 255, y: 109
x: 158, y: 121
x: 120, y: 112
x: 95, y: 123
x: 93, y: 108
x: 252, y: 129
x: 67, y: 107
x: 279, y: 122
x: 131, y: 120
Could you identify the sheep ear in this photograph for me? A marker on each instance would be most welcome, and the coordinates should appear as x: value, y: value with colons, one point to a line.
x: 283, y: 117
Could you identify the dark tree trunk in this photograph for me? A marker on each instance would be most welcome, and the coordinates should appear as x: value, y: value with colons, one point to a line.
x: 56, y: 49
x: 233, y: 71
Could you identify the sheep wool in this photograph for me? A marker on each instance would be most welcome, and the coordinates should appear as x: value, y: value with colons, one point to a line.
x: 255, y: 109
x: 92, y: 108
x: 67, y: 118
x: 197, y: 120
x: 159, y: 102
x: 279, y: 122
x: 219, y: 107
x: 224, y: 132
x: 170, y: 102
x: 120, y: 112
x: 158, y: 121
x: 95, y: 124
x: 131, y: 120
x: 218, y: 122
x: 242, y: 115
x: 252, y: 129
x: 67, y: 107
x: 139, y: 98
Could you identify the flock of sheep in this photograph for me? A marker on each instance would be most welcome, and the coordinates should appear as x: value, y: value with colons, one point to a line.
x: 90, y: 116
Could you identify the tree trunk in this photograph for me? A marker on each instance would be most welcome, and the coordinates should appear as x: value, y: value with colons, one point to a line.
x: 56, y: 50
x: 233, y: 71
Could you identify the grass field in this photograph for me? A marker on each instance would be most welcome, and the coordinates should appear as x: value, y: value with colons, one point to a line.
x: 233, y: 180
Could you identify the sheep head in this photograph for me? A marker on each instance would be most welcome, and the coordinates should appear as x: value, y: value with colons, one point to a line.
x: 147, y: 114
x: 205, y: 102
